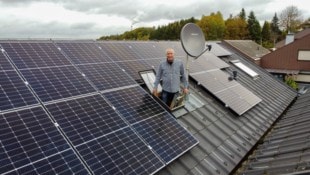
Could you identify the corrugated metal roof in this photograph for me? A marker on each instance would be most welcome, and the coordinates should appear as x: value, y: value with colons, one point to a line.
x: 285, y: 149
x: 225, y: 138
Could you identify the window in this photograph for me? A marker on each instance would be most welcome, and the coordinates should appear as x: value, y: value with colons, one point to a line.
x: 304, y: 55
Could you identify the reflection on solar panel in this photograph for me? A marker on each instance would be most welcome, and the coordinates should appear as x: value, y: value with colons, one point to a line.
x: 155, y: 125
x: 106, y: 75
x: 83, y: 53
x: 31, y: 144
x: 57, y: 82
x: 13, y: 91
x: 234, y: 95
x: 34, y: 54
x: 75, y: 129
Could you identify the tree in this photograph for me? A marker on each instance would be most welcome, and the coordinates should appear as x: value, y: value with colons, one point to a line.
x: 236, y: 28
x: 275, y: 30
x: 242, y: 14
x: 266, y: 35
x: 290, y: 19
x: 213, y: 26
x: 254, y: 28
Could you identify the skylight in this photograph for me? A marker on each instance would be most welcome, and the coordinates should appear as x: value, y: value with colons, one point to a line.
x: 245, y: 68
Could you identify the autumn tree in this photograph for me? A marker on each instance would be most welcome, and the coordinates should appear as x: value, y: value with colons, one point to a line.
x: 254, y: 28
x: 213, y: 26
x: 236, y: 28
x: 290, y: 19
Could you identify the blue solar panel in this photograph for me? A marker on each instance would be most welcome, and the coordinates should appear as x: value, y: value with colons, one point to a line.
x: 120, y: 152
x: 13, y: 91
x: 119, y: 51
x: 133, y: 67
x: 31, y: 144
x: 83, y: 52
x: 57, y: 82
x: 86, y: 118
x: 34, y: 54
x: 158, y: 128
x: 134, y: 104
x: 4, y: 63
x: 106, y: 75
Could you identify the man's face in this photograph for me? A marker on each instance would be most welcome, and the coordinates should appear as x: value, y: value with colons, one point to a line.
x: 170, y: 56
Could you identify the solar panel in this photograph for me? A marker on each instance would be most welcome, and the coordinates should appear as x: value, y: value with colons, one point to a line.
x: 206, y: 62
x: 133, y: 67
x: 134, y: 104
x: 14, y: 92
x: 57, y: 82
x: 120, y: 152
x: 149, y: 50
x: 4, y: 63
x: 165, y: 136
x: 103, y: 138
x: 83, y: 52
x: 231, y: 93
x: 31, y: 144
x: 158, y: 128
x: 34, y: 54
x: 119, y: 51
x: 106, y: 75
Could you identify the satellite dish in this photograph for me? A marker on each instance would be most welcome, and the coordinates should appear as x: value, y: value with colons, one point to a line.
x: 193, y: 40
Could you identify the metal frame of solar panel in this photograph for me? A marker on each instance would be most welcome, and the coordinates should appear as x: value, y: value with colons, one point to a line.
x: 98, y: 134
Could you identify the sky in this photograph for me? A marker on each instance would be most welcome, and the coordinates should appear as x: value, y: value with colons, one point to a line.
x: 91, y: 19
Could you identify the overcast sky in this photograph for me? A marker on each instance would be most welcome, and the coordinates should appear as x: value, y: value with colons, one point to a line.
x: 90, y: 19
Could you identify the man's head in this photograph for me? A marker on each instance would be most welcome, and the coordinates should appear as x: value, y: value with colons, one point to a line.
x: 170, y: 55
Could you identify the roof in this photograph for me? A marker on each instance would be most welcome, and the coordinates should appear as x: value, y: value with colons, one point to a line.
x: 285, y: 149
x: 297, y: 36
x: 248, y: 48
x: 286, y: 57
x: 224, y: 138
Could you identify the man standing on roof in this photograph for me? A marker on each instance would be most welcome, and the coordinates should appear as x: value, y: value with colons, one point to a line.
x: 170, y: 72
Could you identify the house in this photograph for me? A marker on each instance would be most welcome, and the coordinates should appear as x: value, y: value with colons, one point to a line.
x: 232, y: 105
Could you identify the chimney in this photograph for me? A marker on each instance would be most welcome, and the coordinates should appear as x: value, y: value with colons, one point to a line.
x: 289, y: 38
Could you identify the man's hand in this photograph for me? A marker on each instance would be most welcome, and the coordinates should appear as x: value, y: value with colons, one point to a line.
x: 155, y: 92
x: 185, y: 90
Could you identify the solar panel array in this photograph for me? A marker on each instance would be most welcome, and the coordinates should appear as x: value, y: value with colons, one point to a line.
x: 230, y: 92
x: 71, y: 107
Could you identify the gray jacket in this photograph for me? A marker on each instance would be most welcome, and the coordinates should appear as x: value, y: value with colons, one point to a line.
x: 170, y: 75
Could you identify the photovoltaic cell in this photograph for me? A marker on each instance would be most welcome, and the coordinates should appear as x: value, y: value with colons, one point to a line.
x: 13, y: 91
x: 57, y: 82
x: 106, y: 75
x: 134, y: 104
x: 30, y: 143
x: 85, y: 118
x: 169, y: 139
x: 34, y: 54
x: 120, y: 152
x: 149, y: 50
x: 83, y: 52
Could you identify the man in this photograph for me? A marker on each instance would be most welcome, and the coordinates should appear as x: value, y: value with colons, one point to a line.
x: 170, y: 71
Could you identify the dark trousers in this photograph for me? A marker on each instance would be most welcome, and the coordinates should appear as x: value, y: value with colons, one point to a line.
x: 167, y: 97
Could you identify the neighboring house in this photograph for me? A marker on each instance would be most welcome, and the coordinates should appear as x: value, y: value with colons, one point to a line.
x: 293, y: 58
x: 292, y: 37
x: 247, y: 48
